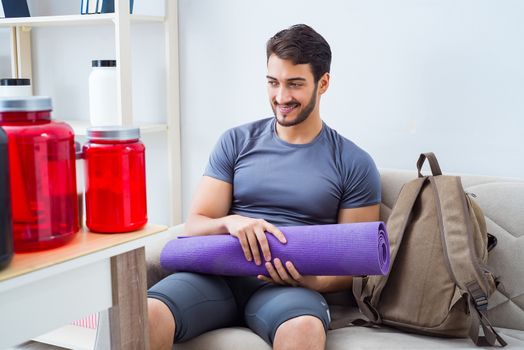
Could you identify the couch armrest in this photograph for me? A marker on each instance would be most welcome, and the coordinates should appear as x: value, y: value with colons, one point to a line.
x: 154, y: 271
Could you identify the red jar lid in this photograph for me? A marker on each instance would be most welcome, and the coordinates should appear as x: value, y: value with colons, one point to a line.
x: 116, y: 133
x: 25, y: 104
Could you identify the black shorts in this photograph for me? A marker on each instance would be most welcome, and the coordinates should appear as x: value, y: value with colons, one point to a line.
x: 201, y: 303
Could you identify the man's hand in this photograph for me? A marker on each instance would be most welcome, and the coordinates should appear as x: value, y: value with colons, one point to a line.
x: 251, y: 233
x: 288, y: 275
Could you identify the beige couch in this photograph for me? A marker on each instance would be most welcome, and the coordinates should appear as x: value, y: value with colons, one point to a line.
x: 503, y: 203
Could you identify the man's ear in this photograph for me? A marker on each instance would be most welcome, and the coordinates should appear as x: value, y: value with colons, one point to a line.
x: 323, y: 83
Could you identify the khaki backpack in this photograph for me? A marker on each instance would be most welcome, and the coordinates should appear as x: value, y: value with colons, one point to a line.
x: 438, y: 282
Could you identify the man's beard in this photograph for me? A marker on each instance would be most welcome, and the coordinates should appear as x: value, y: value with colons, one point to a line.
x: 303, y: 115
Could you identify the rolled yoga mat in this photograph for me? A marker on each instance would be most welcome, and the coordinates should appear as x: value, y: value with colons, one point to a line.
x: 329, y: 250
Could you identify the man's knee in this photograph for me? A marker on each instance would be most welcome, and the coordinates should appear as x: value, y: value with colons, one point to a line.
x: 303, y: 325
x: 161, y: 324
x: 158, y: 311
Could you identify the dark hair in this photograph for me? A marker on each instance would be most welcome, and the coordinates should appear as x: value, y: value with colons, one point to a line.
x: 301, y: 44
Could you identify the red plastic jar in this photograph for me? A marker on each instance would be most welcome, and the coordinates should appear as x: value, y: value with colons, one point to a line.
x: 42, y: 172
x: 115, y: 179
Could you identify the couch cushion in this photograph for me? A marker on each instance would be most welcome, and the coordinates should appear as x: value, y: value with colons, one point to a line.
x: 354, y: 338
x: 503, y: 203
x: 234, y: 338
x: 362, y: 338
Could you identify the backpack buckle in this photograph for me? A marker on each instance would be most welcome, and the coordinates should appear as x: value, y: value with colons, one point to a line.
x: 478, y: 296
x: 481, y: 303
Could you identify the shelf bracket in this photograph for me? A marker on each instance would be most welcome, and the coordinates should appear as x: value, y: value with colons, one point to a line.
x: 173, y: 111
x: 123, y: 59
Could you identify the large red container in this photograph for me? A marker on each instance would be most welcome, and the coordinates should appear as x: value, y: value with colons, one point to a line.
x: 42, y: 172
x: 115, y: 179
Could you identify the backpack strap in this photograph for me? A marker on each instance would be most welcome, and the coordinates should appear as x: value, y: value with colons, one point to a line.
x: 433, y: 164
x: 465, y: 266
x: 366, y: 298
x: 478, y: 305
x: 460, y: 256
x: 362, y: 298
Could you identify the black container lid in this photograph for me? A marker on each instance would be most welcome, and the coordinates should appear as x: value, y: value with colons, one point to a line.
x: 103, y: 63
x: 15, y: 82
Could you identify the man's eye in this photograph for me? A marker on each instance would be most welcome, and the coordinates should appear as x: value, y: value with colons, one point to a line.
x: 272, y: 83
x: 295, y: 85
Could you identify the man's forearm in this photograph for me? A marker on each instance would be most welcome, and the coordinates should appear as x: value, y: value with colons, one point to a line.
x: 200, y: 225
x: 327, y: 284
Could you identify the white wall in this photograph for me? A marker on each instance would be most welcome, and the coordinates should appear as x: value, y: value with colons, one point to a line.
x: 407, y: 76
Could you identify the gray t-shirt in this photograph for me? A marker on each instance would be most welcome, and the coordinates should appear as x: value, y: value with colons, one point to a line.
x: 288, y: 184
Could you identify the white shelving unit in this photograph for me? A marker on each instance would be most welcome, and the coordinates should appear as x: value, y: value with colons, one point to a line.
x: 122, y: 20
x: 80, y: 127
x: 74, y: 20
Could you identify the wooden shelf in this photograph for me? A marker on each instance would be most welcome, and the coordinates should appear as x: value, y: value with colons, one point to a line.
x: 83, y: 244
x: 74, y: 20
x: 80, y: 127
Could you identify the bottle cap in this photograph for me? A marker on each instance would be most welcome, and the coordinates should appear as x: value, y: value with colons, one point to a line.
x: 103, y: 63
x: 15, y: 82
x: 116, y: 133
x: 25, y: 104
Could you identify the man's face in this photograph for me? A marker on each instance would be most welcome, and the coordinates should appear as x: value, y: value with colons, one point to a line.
x: 292, y: 90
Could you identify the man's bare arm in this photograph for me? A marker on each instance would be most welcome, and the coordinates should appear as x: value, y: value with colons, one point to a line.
x: 208, y: 215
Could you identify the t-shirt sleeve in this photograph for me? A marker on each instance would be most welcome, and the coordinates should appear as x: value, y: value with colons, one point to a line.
x: 221, y: 164
x: 362, y: 183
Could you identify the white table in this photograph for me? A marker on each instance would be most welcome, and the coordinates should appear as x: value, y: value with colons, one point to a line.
x: 44, y: 290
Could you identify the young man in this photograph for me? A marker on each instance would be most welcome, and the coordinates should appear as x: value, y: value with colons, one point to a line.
x: 288, y: 170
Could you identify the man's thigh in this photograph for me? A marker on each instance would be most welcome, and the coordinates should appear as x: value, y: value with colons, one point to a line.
x: 199, y: 303
x: 273, y: 305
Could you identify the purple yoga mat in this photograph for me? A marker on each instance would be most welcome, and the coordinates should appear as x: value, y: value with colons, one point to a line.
x: 329, y: 250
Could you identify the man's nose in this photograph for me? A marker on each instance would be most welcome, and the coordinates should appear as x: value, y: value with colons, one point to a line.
x: 283, y: 96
